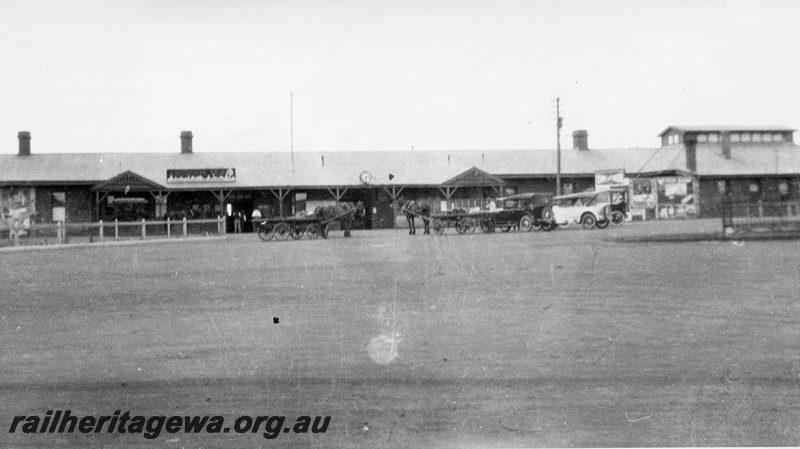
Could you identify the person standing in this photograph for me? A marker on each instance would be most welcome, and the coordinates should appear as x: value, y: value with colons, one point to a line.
x: 237, y: 222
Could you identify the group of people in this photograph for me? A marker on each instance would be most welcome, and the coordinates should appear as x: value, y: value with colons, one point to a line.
x: 240, y: 219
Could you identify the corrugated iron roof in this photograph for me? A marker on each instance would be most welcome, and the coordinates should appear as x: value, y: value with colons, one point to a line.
x: 407, y: 168
x: 316, y: 169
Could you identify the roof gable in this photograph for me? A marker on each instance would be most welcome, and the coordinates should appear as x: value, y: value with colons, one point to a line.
x: 128, y: 181
x: 473, y: 177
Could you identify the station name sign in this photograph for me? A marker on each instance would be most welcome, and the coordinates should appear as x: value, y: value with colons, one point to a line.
x: 177, y: 176
x: 609, y: 177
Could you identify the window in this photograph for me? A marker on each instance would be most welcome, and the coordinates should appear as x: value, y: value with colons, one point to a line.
x: 745, y: 137
x: 766, y: 137
x: 568, y: 188
x: 722, y: 186
x: 777, y: 137
x: 756, y: 137
x: 755, y: 187
x: 702, y: 137
x: 783, y: 187
x: 713, y: 137
x: 736, y: 137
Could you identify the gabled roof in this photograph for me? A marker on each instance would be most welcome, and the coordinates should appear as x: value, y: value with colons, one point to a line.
x: 711, y: 129
x: 474, y: 177
x: 128, y: 182
x: 329, y: 169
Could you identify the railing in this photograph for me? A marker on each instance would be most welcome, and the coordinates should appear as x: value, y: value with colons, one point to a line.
x: 747, y: 216
x: 116, y: 230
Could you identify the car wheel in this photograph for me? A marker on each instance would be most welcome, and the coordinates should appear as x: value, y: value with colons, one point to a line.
x: 602, y: 224
x: 538, y: 226
x: 588, y: 221
x: 505, y: 228
x: 525, y: 223
x: 547, y: 227
x: 617, y: 218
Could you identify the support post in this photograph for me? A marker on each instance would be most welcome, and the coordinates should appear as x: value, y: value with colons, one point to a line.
x: 558, y: 146
x: 185, y: 234
x: 144, y: 232
x: 280, y: 195
x: 101, y: 232
x: 59, y: 231
x: 169, y: 228
x: 116, y: 229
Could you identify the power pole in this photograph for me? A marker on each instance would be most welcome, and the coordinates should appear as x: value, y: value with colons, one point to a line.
x: 558, y: 146
x: 291, y: 126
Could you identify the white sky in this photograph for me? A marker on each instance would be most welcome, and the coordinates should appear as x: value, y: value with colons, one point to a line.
x: 113, y: 75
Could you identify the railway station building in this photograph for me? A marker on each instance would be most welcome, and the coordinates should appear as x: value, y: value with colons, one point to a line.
x: 690, y: 175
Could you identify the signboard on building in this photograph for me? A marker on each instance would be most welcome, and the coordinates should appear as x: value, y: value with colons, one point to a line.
x: 643, y: 197
x: 18, y: 206
x: 177, y: 176
x: 675, y: 197
x: 606, y: 178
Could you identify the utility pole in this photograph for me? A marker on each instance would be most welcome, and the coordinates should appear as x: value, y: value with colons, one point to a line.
x: 291, y: 125
x: 558, y: 146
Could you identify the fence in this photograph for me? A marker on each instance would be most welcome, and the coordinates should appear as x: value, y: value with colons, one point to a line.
x: 114, y: 231
x: 746, y: 216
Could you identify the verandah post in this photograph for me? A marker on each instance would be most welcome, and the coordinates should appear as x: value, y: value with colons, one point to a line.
x: 184, y: 227
x: 101, y: 231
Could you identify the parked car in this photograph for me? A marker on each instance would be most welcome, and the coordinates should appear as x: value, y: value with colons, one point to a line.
x: 590, y: 209
x: 527, y: 211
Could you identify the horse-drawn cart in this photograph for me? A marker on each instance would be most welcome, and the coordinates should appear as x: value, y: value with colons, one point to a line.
x: 283, y: 228
x: 313, y: 225
x: 463, y: 222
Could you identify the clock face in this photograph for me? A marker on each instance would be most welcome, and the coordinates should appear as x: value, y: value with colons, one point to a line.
x: 365, y: 177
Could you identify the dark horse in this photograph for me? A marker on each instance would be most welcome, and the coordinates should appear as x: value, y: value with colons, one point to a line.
x: 344, y: 213
x: 412, y: 209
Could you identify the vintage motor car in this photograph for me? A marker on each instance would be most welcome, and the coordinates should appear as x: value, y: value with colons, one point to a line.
x: 590, y: 209
x: 527, y: 211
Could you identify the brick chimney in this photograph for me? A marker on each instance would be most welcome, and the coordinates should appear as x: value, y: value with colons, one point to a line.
x: 725, y: 138
x: 690, y: 143
x: 580, y: 140
x: 186, y: 142
x: 24, y: 143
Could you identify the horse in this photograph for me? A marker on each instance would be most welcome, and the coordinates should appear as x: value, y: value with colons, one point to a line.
x: 412, y: 209
x: 344, y: 213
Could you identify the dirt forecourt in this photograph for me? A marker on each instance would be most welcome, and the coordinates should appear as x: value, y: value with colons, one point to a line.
x: 514, y: 340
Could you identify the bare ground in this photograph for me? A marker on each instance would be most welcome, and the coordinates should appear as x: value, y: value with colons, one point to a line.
x: 541, y: 339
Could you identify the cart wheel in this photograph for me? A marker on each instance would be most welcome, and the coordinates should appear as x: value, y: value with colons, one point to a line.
x: 265, y: 232
x: 465, y: 226
x: 588, y: 221
x: 525, y: 223
x: 298, y: 231
x: 438, y: 226
x: 617, y: 218
x: 602, y: 224
x: 313, y: 231
x: 282, y: 231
